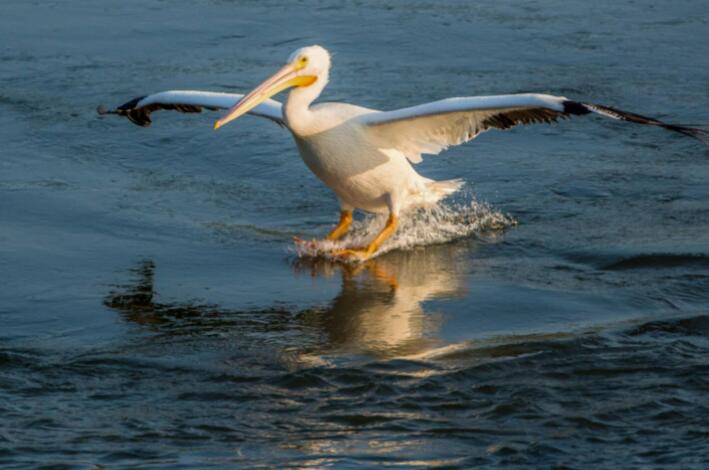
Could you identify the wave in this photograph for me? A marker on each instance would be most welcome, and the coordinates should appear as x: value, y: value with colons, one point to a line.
x: 658, y: 260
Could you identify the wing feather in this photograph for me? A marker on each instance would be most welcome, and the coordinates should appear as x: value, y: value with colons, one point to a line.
x: 138, y: 110
x: 431, y: 128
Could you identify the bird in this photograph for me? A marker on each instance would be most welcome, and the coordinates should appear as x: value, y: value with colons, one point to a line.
x: 367, y: 156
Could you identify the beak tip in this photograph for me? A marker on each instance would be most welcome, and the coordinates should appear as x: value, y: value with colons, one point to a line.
x: 217, y: 125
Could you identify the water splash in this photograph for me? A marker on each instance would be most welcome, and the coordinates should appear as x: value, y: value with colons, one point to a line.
x: 425, y: 226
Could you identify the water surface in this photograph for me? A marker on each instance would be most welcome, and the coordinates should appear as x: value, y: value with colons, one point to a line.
x: 153, y: 312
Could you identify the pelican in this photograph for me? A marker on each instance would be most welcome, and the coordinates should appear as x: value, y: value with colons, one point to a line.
x: 364, y: 155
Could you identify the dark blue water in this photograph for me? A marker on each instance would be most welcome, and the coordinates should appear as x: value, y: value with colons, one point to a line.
x: 153, y: 313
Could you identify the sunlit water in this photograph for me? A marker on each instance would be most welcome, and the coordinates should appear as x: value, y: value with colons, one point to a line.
x: 155, y: 312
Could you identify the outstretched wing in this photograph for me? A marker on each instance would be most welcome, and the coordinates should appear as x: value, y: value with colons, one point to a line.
x: 431, y: 128
x: 138, y: 110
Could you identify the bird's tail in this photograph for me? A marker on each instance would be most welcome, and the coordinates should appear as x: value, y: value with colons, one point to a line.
x: 437, y: 190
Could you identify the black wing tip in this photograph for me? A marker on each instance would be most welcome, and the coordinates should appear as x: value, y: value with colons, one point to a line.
x: 140, y: 114
x: 701, y: 135
x: 130, y: 105
x: 695, y: 132
x: 576, y: 108
x: 137, y: 115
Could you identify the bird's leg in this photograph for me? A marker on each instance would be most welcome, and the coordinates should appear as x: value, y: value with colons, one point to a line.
x: 336, y: 233
x: 374, y: 245
x: 342, y: 226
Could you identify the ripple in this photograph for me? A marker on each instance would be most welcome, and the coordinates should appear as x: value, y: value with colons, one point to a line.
x: 659, y: 261
x: 693, y: 326
x: 642, y: 390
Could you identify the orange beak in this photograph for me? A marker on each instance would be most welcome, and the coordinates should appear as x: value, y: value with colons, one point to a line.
x: 285, y: 78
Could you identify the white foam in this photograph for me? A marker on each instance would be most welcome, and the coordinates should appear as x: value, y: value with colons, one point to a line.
x: 426, y: 226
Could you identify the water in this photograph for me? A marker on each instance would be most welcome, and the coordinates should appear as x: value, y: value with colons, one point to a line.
x: 153, y: 311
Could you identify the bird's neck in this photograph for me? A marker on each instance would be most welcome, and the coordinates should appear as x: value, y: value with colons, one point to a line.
x: 297, y: 113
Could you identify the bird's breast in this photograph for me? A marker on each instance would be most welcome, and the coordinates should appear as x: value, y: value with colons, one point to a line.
x: 347, y: 160
x: 335, y: 155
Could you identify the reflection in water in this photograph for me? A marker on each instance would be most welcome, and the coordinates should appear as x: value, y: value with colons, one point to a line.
x: 136, y: 301
x: 379, y: 310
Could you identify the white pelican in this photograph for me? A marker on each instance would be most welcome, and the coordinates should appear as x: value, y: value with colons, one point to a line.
x: 365, y: 156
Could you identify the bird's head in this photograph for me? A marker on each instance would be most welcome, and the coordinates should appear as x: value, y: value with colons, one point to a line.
x: 312, y: 60
x: 304, y: 67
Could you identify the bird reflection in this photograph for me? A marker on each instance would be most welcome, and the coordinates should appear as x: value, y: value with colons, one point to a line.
x: 138, y: 303
x: 380, y: 310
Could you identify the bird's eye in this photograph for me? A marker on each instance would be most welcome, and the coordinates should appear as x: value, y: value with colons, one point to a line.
x: 303, y: 60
